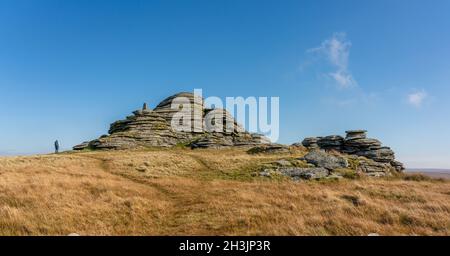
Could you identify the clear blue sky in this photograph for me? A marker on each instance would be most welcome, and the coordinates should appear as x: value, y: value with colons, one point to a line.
x: 70, y: 68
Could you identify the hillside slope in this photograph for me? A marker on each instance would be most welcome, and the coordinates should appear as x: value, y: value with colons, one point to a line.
x: 205, y: 192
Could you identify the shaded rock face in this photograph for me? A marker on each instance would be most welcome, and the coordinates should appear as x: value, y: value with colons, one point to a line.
x: 333, y: 142
x: 154, y: 128
x: 374, y: 169
x: 356, y: 143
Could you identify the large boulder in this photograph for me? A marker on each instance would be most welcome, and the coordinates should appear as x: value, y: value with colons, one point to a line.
x: 325, y: 160
x: 304, y: 173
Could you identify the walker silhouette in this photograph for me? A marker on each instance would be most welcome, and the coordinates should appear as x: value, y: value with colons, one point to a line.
x: 56, y: 147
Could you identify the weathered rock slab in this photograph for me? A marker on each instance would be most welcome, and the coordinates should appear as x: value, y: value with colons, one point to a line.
x: 304, y: 173
x: 325, y: 160
x: 269, y: 149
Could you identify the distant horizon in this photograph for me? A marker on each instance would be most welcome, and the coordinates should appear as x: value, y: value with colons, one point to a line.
x: 67, y: 149
x: 427, y: 170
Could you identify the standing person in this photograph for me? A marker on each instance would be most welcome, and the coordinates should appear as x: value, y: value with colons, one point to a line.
x: 56, y: 147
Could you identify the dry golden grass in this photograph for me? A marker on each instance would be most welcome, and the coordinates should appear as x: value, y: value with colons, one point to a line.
x: 205, y: 192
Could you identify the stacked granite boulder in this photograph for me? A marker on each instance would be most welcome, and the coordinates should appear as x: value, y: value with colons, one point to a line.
x: 357, y: 143
x: 153, y: 128
x: 311, y: 143
x: 333, y: 142
x: 375, y: 157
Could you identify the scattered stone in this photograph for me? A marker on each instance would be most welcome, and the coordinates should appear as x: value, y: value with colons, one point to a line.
x: 283, y: 163
x: 268, y: 173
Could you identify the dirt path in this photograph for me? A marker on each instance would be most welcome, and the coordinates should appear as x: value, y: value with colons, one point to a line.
x: 180, y: 198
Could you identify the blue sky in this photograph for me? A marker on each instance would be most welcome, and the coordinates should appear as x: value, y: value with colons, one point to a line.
x: 70, y: 68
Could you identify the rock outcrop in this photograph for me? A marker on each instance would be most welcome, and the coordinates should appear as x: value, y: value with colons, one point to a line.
x: 379, y: 159
x: 154, y: 128
x: 334, y: 157
x: 327, y: 157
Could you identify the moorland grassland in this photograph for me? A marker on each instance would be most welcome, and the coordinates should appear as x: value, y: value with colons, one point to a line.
x: 206, y: 192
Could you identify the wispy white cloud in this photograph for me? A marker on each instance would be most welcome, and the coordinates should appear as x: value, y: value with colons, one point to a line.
x: 417, y: 98
x: 353, y: 98
x: 336, y: 50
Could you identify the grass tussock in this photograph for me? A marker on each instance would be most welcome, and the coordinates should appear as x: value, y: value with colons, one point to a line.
x: 205, y: 192
x: 420, y: 177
